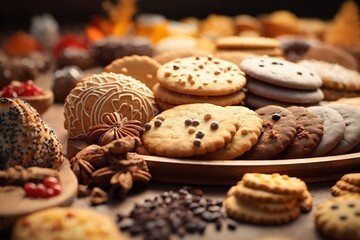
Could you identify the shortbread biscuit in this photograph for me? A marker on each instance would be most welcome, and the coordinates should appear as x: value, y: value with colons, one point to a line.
x: 353, y: 178
x: 236, y: 42
x: 338, y: 218
x: 280, y: 72
x: 244, y: 213
x: 279, y: 128
x: 306, y: 202
x: 334, y: 128
x: 65, y: 223
x: 95, y: 96
x: 190, y: 129
x: 336, y: 191
x: 201, y: 76
x: 176, y: 98
x: 282, y: 94
x: 168, y: 56
x: 345, y: 186
x: 275, y: 183
x: 142, y: 68
x: 245, y: 137
x: 309, y: 130
x: 351, y: 137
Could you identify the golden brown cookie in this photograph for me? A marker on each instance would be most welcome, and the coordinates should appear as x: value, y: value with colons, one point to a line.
x: 245, y: 137
x: 175, y: 98
x: 353, y: 178
x: 93, y: 97
x: 142, y: 68
x: 164, y: 105
x: 65, y: 223
x: 168, y: 56
x: 190, y: 129
x: 339, y: 218
x: 201, y: 76
x: 345, y: 186
x: 237, y: 42
x: 306, y: 202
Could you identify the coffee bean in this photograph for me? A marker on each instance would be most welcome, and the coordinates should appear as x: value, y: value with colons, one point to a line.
x: 214, y: 208
x: 232, y: 224
x: 199, y: 210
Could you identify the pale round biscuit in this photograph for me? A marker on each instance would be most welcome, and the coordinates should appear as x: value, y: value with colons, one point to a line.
x: 280, y: 72
x: 95, y: 96
x: 201, y: 76
x: 339, y: 218
x: 237, y: 56
x: 243, y: 213
x: 238, y: 42
x: 309, y: 131
x: 276, y: 135
x: 168, y: 56
x: 282, y: 94
x: 245, y: 137
x: 334, y: 76
x: 275, y: 183
x: 351, y: 137
x: 65, y: 223
x: 176, y: 98
x: 142, y: 68
x: 190, y: 129
x: 353, y: 178
x: 334, y: 128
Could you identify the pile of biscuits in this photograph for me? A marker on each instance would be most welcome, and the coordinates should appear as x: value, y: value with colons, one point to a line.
x: 267, y: 199
x: 349, y: 184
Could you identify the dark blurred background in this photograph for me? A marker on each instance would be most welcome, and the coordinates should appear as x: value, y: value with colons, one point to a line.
x: 16, y: 14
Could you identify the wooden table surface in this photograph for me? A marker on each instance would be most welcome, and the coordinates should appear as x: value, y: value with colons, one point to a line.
x: 302, y: 228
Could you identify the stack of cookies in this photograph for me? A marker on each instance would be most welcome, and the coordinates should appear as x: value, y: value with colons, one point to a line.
x: 236, y: 48
x: 199, y: 80
x: 349, y: 184
x: 204, y: 129
x: 279, y: 82
x: 267, y: 199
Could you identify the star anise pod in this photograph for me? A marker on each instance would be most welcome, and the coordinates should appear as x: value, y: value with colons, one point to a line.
x: 113, y: 128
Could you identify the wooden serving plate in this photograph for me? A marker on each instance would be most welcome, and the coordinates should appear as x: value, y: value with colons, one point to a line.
x: 13, y: 204
x: 229, y: 172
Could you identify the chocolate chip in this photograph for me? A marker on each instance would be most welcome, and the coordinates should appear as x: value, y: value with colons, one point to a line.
x: 147, y: 126
x: 218, y: 225
x: 311, y: 74
x: 261, y: 65
x: 214, y: 125
x: 197, y: 142
x: 274, y: 63
x: 334, y: 207
x: 210, y: 57
x: 351, y: 205
x: 200, y: 134
x: 201, y: 66
x: 357, y: 214
x: 276, y: 116
x: 195, y: 122
x: 188, y: 121
x: 231, y: 224
x: 157, y: 123
x: 343, y: 217
x: 299, y: 73
x: 176, y: 67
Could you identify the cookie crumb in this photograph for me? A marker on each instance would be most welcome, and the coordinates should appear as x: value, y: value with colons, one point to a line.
x: 273, y: 134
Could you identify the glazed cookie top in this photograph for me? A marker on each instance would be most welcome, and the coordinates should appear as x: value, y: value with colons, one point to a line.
x: 201, y: 76
x: 191, y: 129
x: 280, y: 72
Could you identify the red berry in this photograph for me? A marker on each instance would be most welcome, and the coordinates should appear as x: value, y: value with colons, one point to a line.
x: 57, y: 189
x: 49, y: 193
x: 50, y: 182
x: 30, y: 189
x: 41, y: 190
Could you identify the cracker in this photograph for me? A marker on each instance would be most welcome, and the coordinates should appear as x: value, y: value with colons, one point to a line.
x: 275, y: 183
x: 309, y: 130
x: 339, y: 218
x: 280, y: 72
x: 201, y: 76
x: 190, y: 129
x: 279, y: 128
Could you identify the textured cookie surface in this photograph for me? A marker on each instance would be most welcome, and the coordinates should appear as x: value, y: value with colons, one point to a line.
x: 238, y: 42
x: 168, y: 56
x: 25, y: 139
x: 334, y: 128
x: 190, y: 129
x: 142, y: 68
x: 280, y: 72
x: 353, y: 178
x: 309, y: 131
x: 246, y: 136
x: 65, y: 223
x: 351, y: 137
x: 176, y: 98
x: 94, y: 97
x: 201, y: 76
x: 283, y: 94
x: 339, y: 218
x: 279, y: 128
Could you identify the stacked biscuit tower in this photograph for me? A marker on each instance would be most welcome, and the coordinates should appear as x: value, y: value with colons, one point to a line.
x: 25, y: 139
x: 348, y: 184
x: 199, y: 80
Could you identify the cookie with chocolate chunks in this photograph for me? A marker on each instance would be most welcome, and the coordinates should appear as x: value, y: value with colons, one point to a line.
x: 279, y: 128
x: 309, y: 130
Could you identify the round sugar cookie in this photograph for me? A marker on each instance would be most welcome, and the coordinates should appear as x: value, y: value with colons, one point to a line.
x: 334, y: 128
x: 95, y: 96
x: 201, y: 76
x: 241, y: 42
x: 190, y: 129
x: 280, y: 72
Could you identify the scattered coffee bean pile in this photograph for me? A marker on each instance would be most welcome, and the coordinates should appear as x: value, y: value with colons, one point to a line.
x: 181, y: 212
